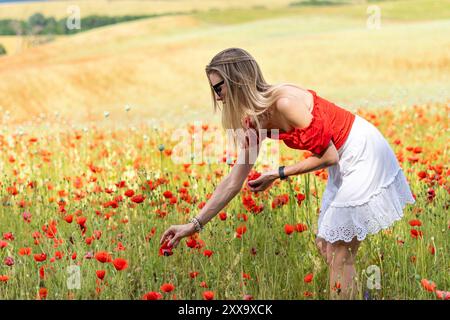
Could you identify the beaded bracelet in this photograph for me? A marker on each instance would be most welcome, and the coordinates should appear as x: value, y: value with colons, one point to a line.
x: 197, y: 224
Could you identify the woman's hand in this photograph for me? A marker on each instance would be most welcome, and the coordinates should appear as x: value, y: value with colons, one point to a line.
x: 176, y: 232
x: 263, y: 181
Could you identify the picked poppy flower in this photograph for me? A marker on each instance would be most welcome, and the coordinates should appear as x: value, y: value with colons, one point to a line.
x: 120, y: 264
x: 165, y: 249
x: 152, y: 295
x: 167, y: 287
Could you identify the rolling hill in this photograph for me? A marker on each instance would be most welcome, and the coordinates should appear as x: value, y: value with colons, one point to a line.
x: 156, y: 65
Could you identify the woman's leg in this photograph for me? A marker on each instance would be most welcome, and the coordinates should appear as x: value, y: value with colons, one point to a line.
x: 341, y: 261
x: 321, y: 244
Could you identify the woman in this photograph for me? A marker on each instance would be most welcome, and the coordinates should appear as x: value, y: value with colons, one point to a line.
x: 366, y: 189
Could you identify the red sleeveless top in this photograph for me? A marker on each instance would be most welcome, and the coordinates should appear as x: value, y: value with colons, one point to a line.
x: 329, y: 123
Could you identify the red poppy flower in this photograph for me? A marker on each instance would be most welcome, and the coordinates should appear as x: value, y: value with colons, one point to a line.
x: 68, y: 218
x: 241, y: 230
x: 432, y: 249
x: 417, y: 150
x: 81, y: 221
x: 167, y: 287
x: 308, y: 278
x: 428, y: 285
x: 4, y: 278
x: 43, y: 293
x: 416, y: 234
x: 24, y: 251
x: 191, y: 242
x: 3, y: 244
x: 415, y: 223
x: 8, y: 236
x: 152, y: 295
x: 100, y: 274
x: 193, y: 274
x: 138, y: 198
x: 308, y: 294
x: 223, y: 216
x: 40, y: 257
x: 129, y: 193
x: 288, y: 229
x: 443, y: 295
x: 253, y: 175
x: 167, y: 194
x: 120, y: 264
x: 242, y: 217
x: 165, y: 249
x: 207, y: 253
x: 422, y: 175
x: 203, y: 284
x: 103, y: 256
x: 300, y: 227
x: 208, y: 295
x: 300, y: 197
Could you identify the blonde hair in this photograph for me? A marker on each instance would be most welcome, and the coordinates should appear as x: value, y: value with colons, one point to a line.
x: 248, y: 94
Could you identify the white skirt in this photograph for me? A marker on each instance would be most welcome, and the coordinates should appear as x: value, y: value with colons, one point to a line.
x: 366, y: 190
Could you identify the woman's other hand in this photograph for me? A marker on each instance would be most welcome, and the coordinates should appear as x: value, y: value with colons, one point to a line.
x: 263, y: 181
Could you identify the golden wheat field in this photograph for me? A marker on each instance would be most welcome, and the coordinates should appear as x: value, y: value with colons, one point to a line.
x: 131, y: 63
x: 89, y: 138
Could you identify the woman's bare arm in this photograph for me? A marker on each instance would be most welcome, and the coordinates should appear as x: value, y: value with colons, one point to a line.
x: 231, y: 185
x: 315, y: 162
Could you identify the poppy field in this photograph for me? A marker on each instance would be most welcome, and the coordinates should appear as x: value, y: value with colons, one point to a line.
x: 82, y: 212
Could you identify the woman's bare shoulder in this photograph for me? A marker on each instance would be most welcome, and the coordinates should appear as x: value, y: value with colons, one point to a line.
x: 297, y: 93
x: 293, y: 108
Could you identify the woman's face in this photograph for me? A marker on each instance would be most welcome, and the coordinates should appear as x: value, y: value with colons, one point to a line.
x: 214, y: 79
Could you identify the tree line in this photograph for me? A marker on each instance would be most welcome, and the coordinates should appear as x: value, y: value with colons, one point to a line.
x: 38, y: 24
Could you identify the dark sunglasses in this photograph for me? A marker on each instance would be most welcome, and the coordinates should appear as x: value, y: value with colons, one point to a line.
x: 217, y: 87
